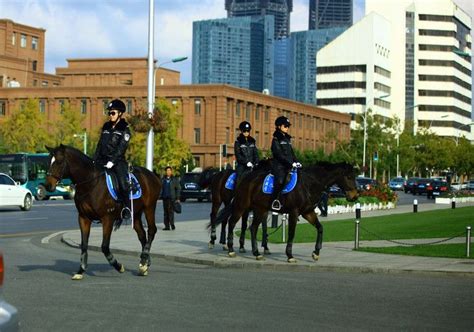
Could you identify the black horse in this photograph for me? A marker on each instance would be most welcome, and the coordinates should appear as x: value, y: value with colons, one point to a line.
x: 93, y: 202
x: 302, y: 200
x: 215, y: 180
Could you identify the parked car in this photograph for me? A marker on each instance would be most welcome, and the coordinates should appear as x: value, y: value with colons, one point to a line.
x: 335, y: 191
x: 364, y: 183
x: 12, y: 194
x: 8, y: 314
x: 191, y: 189
x: 421, y: 185
x: 396, y: 183
x: 436, y: 188
x: 470, y: 185
x: 409, y: 184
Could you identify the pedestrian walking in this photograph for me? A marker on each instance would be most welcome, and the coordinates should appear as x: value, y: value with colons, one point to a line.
x: 170, y: 193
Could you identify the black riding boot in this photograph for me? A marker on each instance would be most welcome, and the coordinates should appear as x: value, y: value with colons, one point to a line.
x: 122, y: 175
x: 126, y: 210
x: 277, y: 188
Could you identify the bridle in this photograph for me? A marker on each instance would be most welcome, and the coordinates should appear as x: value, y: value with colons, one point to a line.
x: 63, y: 170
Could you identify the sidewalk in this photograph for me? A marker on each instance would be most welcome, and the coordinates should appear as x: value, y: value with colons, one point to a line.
x: 189, y: 244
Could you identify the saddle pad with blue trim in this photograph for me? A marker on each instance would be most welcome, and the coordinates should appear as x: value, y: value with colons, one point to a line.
x: 230, y: 183
x: 137, y: 192
x: 267, y: 187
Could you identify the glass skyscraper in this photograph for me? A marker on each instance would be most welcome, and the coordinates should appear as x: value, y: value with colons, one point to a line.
x: 330, y: 13
x: 236, y: 51
x: 279, y: 9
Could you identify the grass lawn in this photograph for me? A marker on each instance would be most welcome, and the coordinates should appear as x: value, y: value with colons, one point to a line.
x: 430, y: 224
x: 456, y: 250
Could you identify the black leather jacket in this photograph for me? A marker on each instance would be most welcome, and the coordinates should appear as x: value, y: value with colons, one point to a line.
x: 245, y: 151
x: 113, y: 142
x: 283, y: 154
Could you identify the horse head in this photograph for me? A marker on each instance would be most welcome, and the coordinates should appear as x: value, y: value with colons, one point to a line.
x: 346, y: 181
x: 58, y: 167
x: 206, y: 176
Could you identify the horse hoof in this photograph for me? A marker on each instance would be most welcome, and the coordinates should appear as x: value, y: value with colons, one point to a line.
x: 210, y: 245
x: 142, y: 269
x: 225, y: 247
x: 122, y: 268
x: 292, y: 260
x: 77, y: 276
x: 242, y: 250
x: 267, y: 252
x: 259, y: 257
x: 232, y: 254
x: 315, y: 257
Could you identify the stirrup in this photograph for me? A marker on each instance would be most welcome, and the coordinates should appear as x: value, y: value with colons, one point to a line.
x: 276, y: 205
x: 126, y: 214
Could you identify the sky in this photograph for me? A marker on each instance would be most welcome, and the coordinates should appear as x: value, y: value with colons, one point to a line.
x: 119, y: 28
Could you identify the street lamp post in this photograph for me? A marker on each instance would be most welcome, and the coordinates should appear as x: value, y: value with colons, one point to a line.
x: 84, y: 137
x: 179, y: 59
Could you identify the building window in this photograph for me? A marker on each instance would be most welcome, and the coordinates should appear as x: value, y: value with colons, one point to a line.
x: 34, y: 65
x: 23, y: 41
x: 237, y: 110
x: 44, y: 83
x: 42, y: 106
x: 14, y: 38
x: 247, y: 112
x: 83, y: 106
x: 267, y: 115
x: 129, y: 106
x: 34, y: 43
x: 257, y: 113
x: 35, y: 82
x: 197, y: 135
x: 61, y: 106
x: 197, y: 161
x: 3, y: 108
x: 227, y: 135
x: 105, y: 103
x: 197, y: 107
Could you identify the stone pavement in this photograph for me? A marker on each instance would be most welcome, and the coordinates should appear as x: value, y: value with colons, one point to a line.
x: 189, y: 244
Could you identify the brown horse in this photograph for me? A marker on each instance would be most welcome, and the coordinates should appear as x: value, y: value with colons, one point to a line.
x: 215, y: 180
x: 302, y: 200
x: 93, y: 202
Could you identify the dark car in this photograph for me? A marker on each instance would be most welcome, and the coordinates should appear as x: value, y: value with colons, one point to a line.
x: 421, y: 186
x: 364, y: 183
x: 410, y: 184
x: 396, y: 183
x: 335, y: 191
x: 436, y: 188
x: 191, y: 189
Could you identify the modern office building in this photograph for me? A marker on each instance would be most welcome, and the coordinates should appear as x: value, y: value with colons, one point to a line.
x: 236, y: 51
x: 330, y: 13
x: 431, y: 61
x: 283, y: 62
x: 354, y: 72
x: 279, y: 9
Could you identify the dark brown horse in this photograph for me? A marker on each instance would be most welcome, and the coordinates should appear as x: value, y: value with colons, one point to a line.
x: 215, y: 180
x: 302, y: 200
x: 93, y: 202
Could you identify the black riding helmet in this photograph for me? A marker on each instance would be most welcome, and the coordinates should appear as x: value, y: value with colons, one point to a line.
x: 245, y: 126
x: 282, y: 120
x: 117, y: 105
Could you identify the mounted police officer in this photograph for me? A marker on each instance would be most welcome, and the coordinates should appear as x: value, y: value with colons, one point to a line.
x: 245, y: 150
x: 111, y: 148
x: 284, y: 158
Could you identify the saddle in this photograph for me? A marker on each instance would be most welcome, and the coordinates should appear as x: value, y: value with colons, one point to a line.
x: 113, y: 186
x: 267, y: 187
x: 230, y: 183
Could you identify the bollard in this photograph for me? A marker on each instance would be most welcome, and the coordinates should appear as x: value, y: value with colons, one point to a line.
x: 356, y: 240
x: 283, y: 227
x: 274, y: 219
x: 358, y: 211
x: 468, y: 241
x: 415, y: 206
x: 453, y: 203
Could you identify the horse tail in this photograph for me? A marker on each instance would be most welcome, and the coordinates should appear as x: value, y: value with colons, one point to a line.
x: 206, y: 176
x: 222, y: 215
x: 117, y: 224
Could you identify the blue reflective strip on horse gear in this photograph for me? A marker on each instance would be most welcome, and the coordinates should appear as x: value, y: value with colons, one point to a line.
x: 136, y: 194
x: 230, y: 183
x: 267, y: 186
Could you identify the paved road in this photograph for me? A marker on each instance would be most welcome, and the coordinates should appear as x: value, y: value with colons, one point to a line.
x: 196, y: 297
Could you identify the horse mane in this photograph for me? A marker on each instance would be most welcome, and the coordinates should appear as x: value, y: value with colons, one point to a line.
x: 76, y: 152
x: 206, y: 177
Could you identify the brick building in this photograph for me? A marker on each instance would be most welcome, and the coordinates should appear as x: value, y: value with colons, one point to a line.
x: 211, y: 113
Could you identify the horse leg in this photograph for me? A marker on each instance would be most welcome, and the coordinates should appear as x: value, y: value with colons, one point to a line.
x: 245, y: 218
x: 85, y: 225
x: 145, y: 260
x: 293, y: 219
x: 222, y: 238
x: 138, y: 227
x: 214, y: 209
x: 312, y: 218
x: 232, y: 221
x: 107, y: 225
x: 257, y: 218
x: 266, y: 250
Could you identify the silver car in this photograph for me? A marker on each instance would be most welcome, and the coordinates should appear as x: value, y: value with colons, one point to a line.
x: 8, y: 314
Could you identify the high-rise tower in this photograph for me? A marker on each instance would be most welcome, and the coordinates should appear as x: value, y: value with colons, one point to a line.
x: 330, y: 13
x: 280, y: 9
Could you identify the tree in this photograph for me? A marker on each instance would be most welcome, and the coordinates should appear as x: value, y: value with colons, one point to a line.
x: 69, y: 123
x: 26, y: 130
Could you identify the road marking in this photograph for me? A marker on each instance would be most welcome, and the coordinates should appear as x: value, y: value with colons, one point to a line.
x: 40, y: 218
x: 22, y: 234
x: 49, y: 237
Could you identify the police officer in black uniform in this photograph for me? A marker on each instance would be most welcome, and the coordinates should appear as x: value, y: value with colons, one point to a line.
x: 110, y: 152
x: 245, y: 150
x: 283, y: 158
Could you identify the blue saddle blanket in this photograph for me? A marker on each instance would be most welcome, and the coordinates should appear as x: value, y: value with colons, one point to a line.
x: 230, y: 183
x: 137, y: 192
x: 267, y: 187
